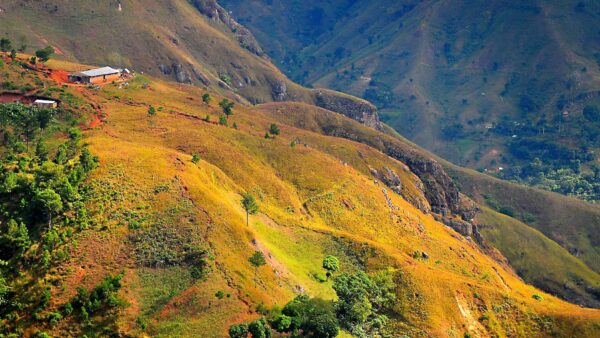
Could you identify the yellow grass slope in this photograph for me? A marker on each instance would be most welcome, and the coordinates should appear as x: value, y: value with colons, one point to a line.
x: 316, y: 198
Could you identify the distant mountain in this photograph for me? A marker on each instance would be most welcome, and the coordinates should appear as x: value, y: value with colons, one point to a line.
x: 488, y: 84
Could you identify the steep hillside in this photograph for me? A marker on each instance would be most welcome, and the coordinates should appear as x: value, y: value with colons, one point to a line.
x: 568, y: 221
x: 193, y: 42
x: 482, y: 83
x: 165, y: 249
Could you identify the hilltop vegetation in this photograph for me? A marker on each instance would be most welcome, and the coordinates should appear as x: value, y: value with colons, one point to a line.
x: 168, y: 250
x: 489, y: 85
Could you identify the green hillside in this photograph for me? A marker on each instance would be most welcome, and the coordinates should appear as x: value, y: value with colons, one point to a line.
x: 484, y: 84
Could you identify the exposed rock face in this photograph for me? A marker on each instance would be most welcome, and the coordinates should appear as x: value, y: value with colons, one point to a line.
x: 212, y: 10
x: 200, y: 76
x: 165, y: 69
x: 181, y: 75
x: 353, y: 107
x: 279, y: 91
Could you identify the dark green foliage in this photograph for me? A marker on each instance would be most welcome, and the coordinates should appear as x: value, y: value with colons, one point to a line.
x: 363, y: 299
x: 274, y: 129
x: 206, y: 98
x: 220, y: 294
x: 312, y: 317
x: 257, y: 259
x: 227, y: 106
x: 151, y: 111
x: 45, y: 53
x: 5, y: 45
x: 259, y: 329
x: 239, y: 331
x: 223, y: 121
x: 195, y: 158
x: 331, y: 264
x: 36, y: 196
x: 100, y: 300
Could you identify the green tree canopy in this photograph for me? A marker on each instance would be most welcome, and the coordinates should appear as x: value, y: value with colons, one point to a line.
x: 331, y: 264
x: 249, y: 204
x: 50, y: 202
x: 45, y: 53
x: 257, y: 259
x: 227, y: 106
x: 274, y: 129
x: 206, y: 98
x: 362, y: 299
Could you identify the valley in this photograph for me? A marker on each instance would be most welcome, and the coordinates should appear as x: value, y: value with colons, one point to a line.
x: 203, y: 193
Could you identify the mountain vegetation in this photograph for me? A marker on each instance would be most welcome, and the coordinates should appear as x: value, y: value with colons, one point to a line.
x: 151, y: 206
x: 507, y: 87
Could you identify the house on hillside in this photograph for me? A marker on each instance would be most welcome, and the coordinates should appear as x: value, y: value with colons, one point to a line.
x: 96, y: 76
x: 45, y: 104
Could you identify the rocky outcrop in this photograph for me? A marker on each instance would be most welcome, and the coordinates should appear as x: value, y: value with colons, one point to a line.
x: 181, y: 75
x: 166, y: 70
x: 353, y: 107
x: 279, y: 90
x: 212, y: 10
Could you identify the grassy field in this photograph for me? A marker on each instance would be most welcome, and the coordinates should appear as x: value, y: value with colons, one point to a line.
x: 317, y: 196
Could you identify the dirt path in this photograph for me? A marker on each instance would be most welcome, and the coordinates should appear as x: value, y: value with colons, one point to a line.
x: 475, y: 328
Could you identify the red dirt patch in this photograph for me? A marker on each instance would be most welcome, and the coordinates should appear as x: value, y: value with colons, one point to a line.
x: 59, y: 76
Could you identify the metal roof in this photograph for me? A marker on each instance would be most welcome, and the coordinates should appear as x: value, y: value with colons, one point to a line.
x: 44, y: 101
x: 98, y: 72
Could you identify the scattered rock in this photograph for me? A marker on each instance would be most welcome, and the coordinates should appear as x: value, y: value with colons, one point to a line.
x: 165, y: 69
x: 181, y: 75
x: 279, y: 90
x: 424, y: 255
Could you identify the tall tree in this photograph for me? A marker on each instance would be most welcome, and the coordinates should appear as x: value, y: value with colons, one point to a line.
x: 249, y: 204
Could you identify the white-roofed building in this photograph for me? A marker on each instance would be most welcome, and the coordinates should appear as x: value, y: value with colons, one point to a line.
x: 94, y: 76
x: 45, y: 104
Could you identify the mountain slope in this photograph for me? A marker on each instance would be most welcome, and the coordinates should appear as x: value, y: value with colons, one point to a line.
x: 196, y: 43
x: 459, y: 78
x: 317, y: 197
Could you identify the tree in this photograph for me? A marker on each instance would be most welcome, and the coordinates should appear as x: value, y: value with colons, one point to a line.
x: 362, y: 299
x: 259, y: 329
x: 257, y: 259
x: 45, y: 53
x: 238, y: 331
x: 206, y: 98
x: 13, y: 54
x: 313, y: 316
x: 249, y: 204
x: 195, y: 158
x: 151, y: 111
x: 223, y: 121
x: 331, y: 264
x: 5, y: 45
x: 227, y: 107
x: 274, y: 129
x: 51, y: 202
